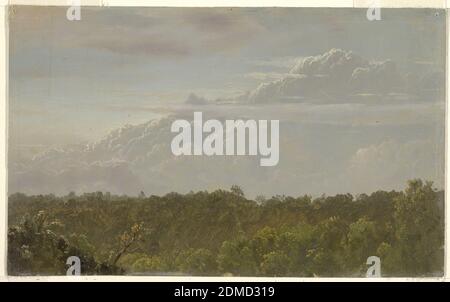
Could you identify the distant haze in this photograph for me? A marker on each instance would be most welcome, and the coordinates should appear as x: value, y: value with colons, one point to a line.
x: 361, y: 104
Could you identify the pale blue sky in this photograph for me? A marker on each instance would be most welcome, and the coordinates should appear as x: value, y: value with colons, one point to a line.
x: 73, y: 82
x: 73, y: 75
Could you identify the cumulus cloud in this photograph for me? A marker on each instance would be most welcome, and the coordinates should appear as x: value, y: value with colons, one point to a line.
x: 127, y: 160
x: 316, y: 160
x: 107, y: 165
x: 377, y: 78
x: 383, y: 165
x: 335, y: 62
x: 339, y: 76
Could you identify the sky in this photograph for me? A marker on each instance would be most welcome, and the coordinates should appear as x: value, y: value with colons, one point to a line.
x: 361, y: 103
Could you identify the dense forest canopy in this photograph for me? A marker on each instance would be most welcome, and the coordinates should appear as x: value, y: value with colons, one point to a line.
x: 224, y: 233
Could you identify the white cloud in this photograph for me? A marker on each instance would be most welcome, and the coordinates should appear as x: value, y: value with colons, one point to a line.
x: 390, y: 163
x: 340, y: 76
x: 335, y: 62
x: 134, y: 158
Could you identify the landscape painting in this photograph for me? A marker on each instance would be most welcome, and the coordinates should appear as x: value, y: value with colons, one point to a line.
x: 239, y: 142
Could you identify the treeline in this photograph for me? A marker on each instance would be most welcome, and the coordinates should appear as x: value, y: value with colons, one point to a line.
x: 224, y: 233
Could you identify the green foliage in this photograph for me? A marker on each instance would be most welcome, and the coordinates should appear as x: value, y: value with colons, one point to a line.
x: 361, y: 242
x: 148, y: 264
x: 237, y: 190
x: 223, y: 232
x: 35, y: 248
x: 275, y: 264
x: 419, y: 239
x: 197, y: 261
x: 237, y: 258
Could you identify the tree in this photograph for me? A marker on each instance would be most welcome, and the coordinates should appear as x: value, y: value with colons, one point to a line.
x: 260, y: 199
x: 220, y: 232
x: 197, y: 262
x: 275, y: 264
x: 148, y: 264
x: 236, y: 257
x: 361, y: 243
x: 419, y: 234
x: 327, y: 257
x: 34, y: 246
x: 237, y: 190
x: 127, y: 239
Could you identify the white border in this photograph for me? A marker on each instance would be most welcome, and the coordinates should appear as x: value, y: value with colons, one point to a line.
x: 446, y: 165
x: 3, y: 123
x: 193, y: 3
x: 239, y: 3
